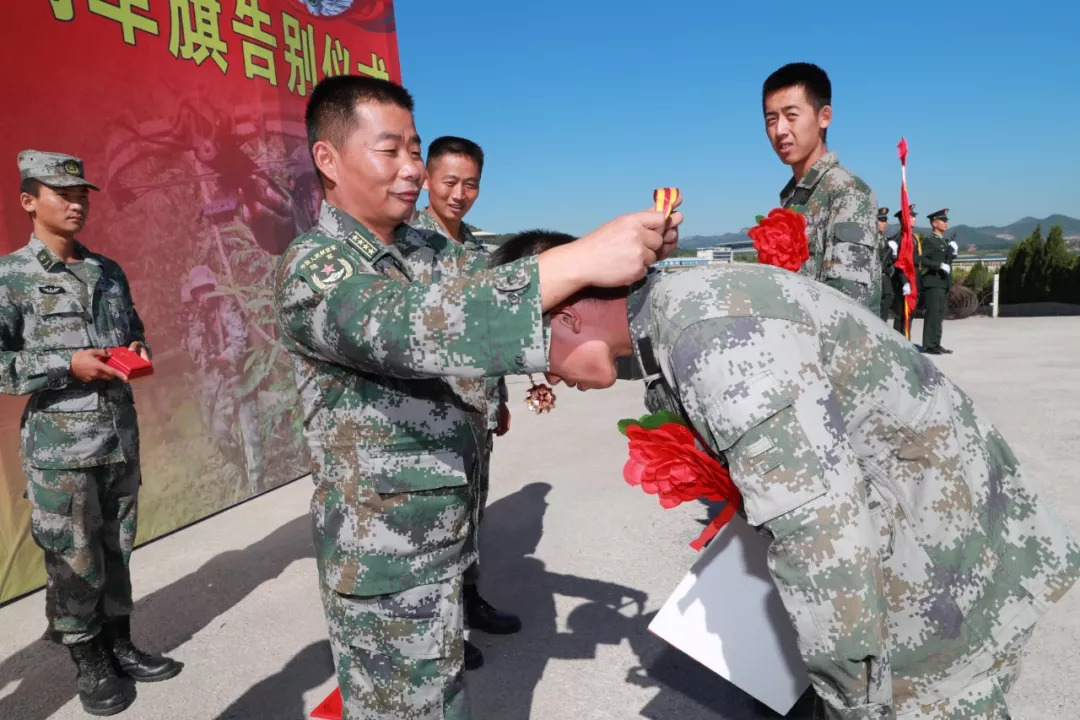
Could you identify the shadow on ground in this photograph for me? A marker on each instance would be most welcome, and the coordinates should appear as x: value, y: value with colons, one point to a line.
x: 165, y: 620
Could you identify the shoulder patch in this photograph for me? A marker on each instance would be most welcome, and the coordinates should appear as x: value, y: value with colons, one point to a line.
x: 325, y: 267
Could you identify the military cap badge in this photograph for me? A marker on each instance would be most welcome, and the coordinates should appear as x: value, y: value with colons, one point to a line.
x: 71, y: 167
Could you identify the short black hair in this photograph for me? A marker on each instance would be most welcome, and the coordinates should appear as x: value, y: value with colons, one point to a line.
x: 450, y: 145
x: 534, y: 242
x: 331, y: 110
x: 31, y: 186
x: 808, y: 76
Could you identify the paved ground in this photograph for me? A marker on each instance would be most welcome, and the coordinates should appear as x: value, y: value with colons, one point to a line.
x: 567, y: 544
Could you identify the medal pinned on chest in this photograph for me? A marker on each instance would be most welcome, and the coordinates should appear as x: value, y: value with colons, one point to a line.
x: 539, y: 398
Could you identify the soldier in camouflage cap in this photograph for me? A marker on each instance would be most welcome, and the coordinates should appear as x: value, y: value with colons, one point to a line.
x: 910, y: 551
x: 454, y: 168
x: 391, y: 338
x: 61, y: 307
x: 839, y: 206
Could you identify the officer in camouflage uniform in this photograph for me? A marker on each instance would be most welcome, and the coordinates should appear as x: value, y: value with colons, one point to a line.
x: 61, y: 307
x: 935, y: 270
x: 839, y: 206
x: 217, y: 341
x: 888, y: 250
x: 390, y: 342
x: 454, y: 169
x: 910, y: 552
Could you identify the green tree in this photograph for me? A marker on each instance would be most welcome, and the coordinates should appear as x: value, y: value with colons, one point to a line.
x: 1057, y: 266
x: 1020, y: 276
x: 978, y: 278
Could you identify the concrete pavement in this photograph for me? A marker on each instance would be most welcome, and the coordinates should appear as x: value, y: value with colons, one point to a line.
x: 584, y: 558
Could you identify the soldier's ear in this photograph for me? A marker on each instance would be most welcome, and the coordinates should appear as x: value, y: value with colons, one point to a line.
x: 327, y: 160
x: 28, y: 202
x: 825, y: 117
x: 568, y: 318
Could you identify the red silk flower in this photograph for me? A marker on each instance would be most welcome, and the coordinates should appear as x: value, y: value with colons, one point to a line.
x: 780, y: 239
x: 665, y: 461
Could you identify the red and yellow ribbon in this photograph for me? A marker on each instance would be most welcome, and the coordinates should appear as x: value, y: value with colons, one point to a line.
x: 665, y: 199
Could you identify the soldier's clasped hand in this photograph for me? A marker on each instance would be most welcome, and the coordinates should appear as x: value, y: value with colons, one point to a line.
x: 89, y: 365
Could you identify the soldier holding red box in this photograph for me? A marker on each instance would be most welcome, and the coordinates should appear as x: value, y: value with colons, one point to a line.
x: 62, y: 307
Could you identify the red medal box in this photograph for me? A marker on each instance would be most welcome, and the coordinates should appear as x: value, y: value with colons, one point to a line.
x: 129, y: 363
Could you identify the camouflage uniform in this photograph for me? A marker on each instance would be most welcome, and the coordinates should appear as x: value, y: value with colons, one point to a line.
x: 909, y: 550
x: 497, y: 391
x: 79, y: 442
x: 396, y: 447
x: 216, y: 329
x: 841, y: 226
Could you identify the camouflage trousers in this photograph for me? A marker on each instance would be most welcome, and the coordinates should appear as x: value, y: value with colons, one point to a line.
x: 399, y: 656
x: 983, y: 698
x: 483, y: 484
x: 84, y: 520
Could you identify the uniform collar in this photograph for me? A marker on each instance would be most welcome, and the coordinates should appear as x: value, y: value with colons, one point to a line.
x: 47, y: 257
x: 426, y: 218
x: 639, y: 316
x: 817, y: 171
x: 343, y: 227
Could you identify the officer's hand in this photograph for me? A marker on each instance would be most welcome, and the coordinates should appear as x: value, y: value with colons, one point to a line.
x: 621, y: 251
x: 503, y: 425
x: 893, y: 247
x: 89, y: 365
x: 954, y: 246
x: 945, y: 268
x: 907, y: 289
x: 671, y: 232
x: 140, y: 349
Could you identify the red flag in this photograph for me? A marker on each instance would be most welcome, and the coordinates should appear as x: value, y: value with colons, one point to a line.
x: 905, y: 260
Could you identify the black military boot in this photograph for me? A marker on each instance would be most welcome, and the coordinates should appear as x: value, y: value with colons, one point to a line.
x: 100, y: 690
x: 473, y: 657
x: 132, y: 661
x: 480, y: 615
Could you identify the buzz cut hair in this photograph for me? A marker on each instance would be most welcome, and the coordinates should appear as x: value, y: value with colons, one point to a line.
x: 811, y: 78
x: 331, y: 111
x: 535, y: 242
x: 450, y: 145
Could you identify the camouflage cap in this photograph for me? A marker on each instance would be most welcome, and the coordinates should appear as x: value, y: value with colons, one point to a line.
x: 53, y: 169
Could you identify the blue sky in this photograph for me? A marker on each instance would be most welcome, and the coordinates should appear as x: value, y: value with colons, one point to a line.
x: 582, y: 110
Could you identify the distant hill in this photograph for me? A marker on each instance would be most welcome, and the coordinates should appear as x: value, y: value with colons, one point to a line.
x: 986, y: 237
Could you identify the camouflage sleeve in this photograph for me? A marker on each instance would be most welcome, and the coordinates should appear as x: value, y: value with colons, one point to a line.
x: 852, y: 264
x: 484, y: 324
x: 756, y: 391
x: 23, y: 371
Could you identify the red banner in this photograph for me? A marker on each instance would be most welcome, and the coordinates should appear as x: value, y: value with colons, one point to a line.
x: 189, y: 114
x: 906, y: 254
